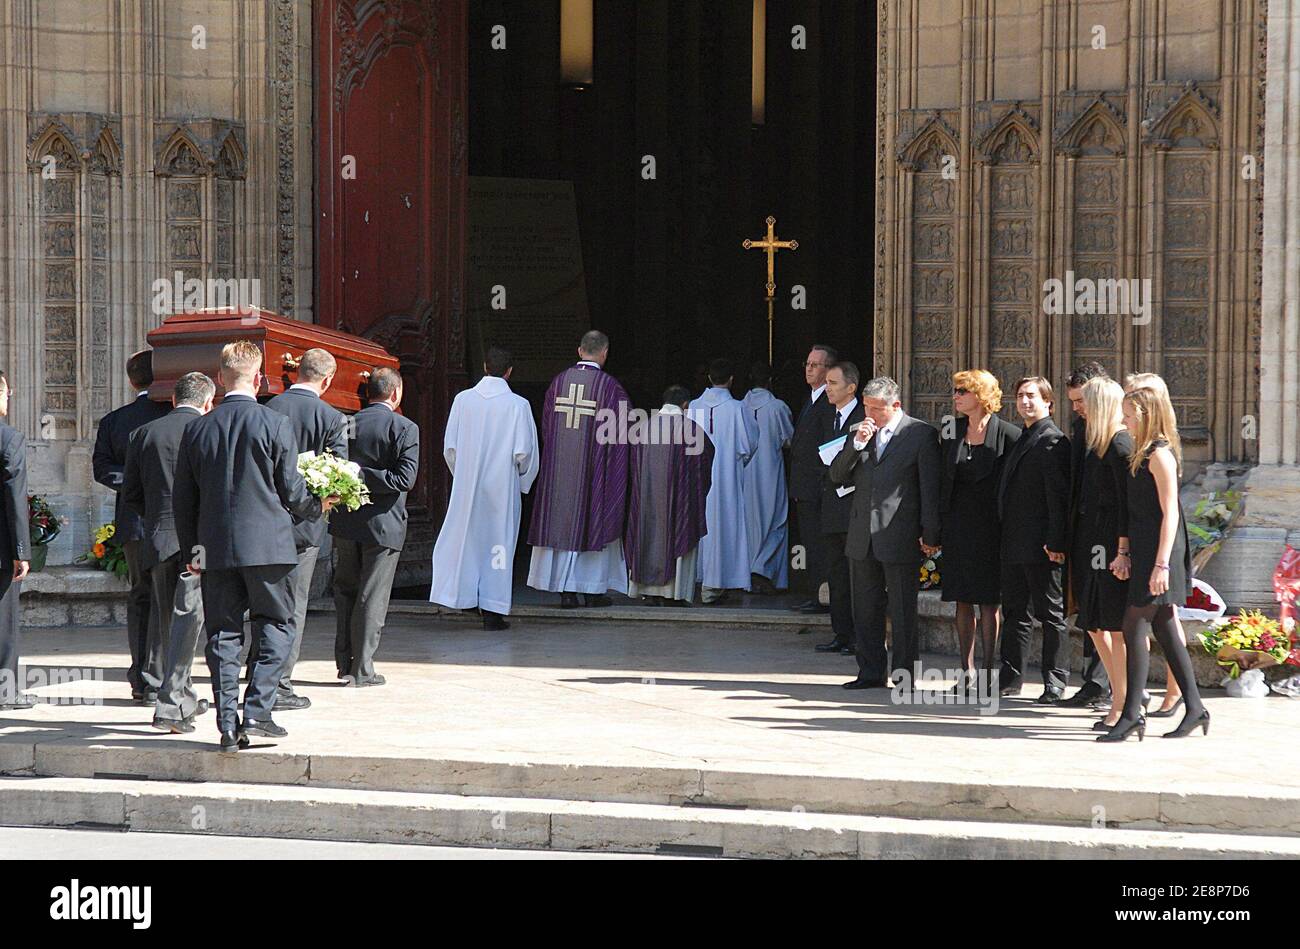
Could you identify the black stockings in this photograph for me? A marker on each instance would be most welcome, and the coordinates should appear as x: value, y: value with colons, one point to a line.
x: 1138, y: 621
x: 989, y: 624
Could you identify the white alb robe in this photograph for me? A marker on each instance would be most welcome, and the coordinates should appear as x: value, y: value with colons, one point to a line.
x: 491, y: 448
x: 767, y: 502
x: 724, y: 551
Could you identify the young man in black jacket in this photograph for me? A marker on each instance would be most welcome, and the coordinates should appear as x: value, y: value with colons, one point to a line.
x: 15, y: 553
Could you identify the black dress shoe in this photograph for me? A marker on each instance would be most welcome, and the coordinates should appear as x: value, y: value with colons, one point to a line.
x: 21, y: 701
x: 375, y: 679
x: 802, y: 607
x: 233, y: 741
x: 290, y: 703
x: 145, y: 698
x: 1085, y: 696
x: 568, y: 601
x: 265, y: 728
x: 1049, y: 697
x: 761, y: 585
x: 812, y: 608
x: 866, y: 684
x: 494, y: 622
x: 201, y: 708
x: 1190, y: 724
x: 722, y: 600
x: 176, y: 726
x: 597, y: 599
x: 1122, y: 729
x: 848, y: 649
x: 835, y: 645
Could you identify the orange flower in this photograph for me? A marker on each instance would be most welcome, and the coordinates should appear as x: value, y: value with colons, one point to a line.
x: 98, y: 551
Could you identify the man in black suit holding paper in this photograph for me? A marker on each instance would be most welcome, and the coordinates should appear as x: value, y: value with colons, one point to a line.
x: 1033, y: 503
x: 369, y: 540
x: 846, y: 412
x: 893, y: 463
x: 108, y: 463
x: 15, y: 553
x: 147, y: 486
x: 317, y: 427
x: 807, y: 471
x: 237, y: 492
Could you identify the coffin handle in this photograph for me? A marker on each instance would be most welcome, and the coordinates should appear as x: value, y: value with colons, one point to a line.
x: 364, y: 374
x: 290, y: 362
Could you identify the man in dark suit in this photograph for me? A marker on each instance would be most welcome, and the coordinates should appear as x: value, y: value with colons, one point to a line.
x: 369, y: 540
x: 1096, y: 686
x: 894, y: 467
x: 15, y: 553
x: 846, y: 411
x: 317, y: 427
x: 147, y: 485
x: 1033, y: 503
x: 807, y: 471
x: 108, y: 463
x: 236, y: 493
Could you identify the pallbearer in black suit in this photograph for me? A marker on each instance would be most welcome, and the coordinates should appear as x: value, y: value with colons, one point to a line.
x: 109, y: 463
x: 369, y: 540
x: 1099, y: 544
x: 1161, y: 574
x: 807, y: 471
x: 973, y: 453
x: 236, y: 495
x: 147, y: 487
x: 15, y: 553
x: 1033, y: 502
x: 1095, y: 689
x: 317, y: 427
x: 846, y: 412
x: 894, y: 467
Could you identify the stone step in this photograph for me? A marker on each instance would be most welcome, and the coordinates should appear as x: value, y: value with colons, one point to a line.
x: 564, y: 825
x: 1139, y: 804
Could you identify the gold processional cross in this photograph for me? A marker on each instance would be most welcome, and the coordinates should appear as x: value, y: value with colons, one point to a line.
x: 771, y: 245
x: 574, y: 407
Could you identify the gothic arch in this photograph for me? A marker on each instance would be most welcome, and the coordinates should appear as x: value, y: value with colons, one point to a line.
x: 1096, y: 129
x: 179, y: 155
x: 1188, y: 119
x: 925, y: 149
x: 1011, y: 140
x: 54, y: 139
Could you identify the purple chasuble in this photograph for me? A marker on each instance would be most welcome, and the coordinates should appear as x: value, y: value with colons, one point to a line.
x: 665, y: 517
x: 582, y: 486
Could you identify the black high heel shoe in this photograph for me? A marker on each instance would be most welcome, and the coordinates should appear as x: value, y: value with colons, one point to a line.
x: 1168, y: 712
x: 1189, y: 724
x: 1123, y: 729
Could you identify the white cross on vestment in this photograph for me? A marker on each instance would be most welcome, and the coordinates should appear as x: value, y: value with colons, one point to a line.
x: 574, y: 406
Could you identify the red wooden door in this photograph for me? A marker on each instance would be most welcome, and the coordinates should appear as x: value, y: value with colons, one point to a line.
x: 391, y: 81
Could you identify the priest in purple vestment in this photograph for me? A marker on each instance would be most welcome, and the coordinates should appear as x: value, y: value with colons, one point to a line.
x: 579, y: 514
x: 672, y: 468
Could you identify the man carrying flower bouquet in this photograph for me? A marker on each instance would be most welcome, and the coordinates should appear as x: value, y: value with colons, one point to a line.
x: 15, y: 552
x: 319, y: 428
x: 236, y: 494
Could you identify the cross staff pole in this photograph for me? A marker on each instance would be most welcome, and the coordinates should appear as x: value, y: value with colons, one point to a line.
x: 770, y: 245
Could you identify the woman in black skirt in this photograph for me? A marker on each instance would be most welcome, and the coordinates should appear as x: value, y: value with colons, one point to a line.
x: 972, y: 464
x: 1099, y: 556
x: 1162, y: 563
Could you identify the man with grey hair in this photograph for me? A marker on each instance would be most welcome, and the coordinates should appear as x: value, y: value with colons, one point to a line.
x: 319, y: 428
x: 177, y: 597
x: 893, y: 463
x: 581, y: 490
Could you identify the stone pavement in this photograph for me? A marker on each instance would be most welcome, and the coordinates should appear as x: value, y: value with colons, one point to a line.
x: 668, y: 714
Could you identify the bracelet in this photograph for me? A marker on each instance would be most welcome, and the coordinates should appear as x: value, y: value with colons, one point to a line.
x: 1162, y: 566
x: 1122, y: 553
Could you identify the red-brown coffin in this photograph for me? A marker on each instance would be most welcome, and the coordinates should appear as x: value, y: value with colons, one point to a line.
x: 189, y: 342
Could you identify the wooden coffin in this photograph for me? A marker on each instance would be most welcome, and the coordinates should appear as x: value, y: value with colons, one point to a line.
x: 189, y: 342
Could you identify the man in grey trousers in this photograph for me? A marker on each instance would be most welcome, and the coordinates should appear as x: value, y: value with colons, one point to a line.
x: 177, y: 598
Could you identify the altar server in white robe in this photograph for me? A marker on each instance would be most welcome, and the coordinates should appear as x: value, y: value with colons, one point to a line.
x: 767, y: 503
x: 724, y: 551
x: 491, y: 448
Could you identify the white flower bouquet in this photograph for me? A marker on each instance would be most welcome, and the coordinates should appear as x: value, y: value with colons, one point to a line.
x: 328, y: 475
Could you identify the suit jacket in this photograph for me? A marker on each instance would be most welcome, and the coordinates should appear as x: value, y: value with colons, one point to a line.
x: 108, y: 462
x: 237, y: 487
x: 148, y: 479
x: 895, y: 499
x: 319, y: 427
x: 1000, y: 436
x: 1034, y: 495
x: 806, y: 469
x: 835, y: 510
x: 387, y: 447
x: 15, y: 526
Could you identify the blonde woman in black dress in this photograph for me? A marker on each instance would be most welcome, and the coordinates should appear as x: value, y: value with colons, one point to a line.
x: 1161, y: 558
x: 1100, y: 549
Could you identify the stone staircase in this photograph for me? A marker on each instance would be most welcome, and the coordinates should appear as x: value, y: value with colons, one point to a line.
x: 664, y: 810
